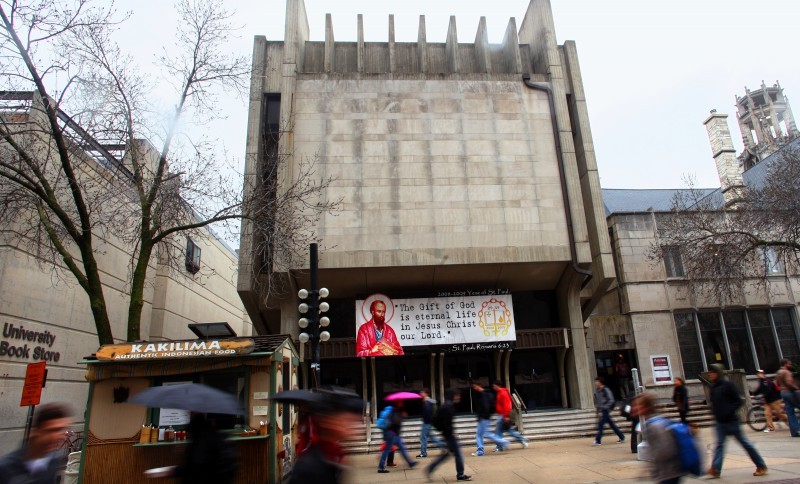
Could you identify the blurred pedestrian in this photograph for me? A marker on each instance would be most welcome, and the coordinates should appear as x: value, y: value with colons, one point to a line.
x: 483, y: 411
x: 333, y: 417
x: 502, y: 405
x: 680, y: 396
x: 662, y: 448
x: 788, y: 387
x: 37, y: 461
x: 444, y: 423
x: 604, y: 402
x: 628, y: 412
x: 392, y: 438
x: 725, y: 402
x: 210, y: 458
x: 773, y: 405
x: 428, y: 410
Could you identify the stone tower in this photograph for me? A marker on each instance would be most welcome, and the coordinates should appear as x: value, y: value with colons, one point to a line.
x: 765, y: 121
x: 728, y: 167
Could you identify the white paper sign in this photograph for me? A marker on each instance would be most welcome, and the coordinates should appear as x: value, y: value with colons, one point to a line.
x: 173, y: 416
x: 662, y: 369
x: 451, y: 320
x: 260, y: 409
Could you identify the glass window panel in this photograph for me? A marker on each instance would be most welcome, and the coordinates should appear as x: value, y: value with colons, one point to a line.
x: 787, y: 337
x: 690, y: 348
x: 673, y: 263
x: 739, y: 341
x: 764, y: 340
x: 713, y: 341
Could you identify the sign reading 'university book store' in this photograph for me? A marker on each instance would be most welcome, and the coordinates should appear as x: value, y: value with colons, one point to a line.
x: 451, y: 322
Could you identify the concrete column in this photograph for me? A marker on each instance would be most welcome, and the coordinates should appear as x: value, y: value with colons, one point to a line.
x: 511, y: 48
x: 392, y: 46
x: 578, y: 369
x: 451, y: 47
x: 360, y: 47
x: 329, y: 44
x: 432, y: 368
x: 422, y: 46
x: 482, y: 59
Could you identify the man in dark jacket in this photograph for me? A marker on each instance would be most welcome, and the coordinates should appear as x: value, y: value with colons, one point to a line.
x: 210, y: 457
x: 725, y: 401
x: 604, y: 403
x: 483, y: 411
x: 37, y: 461
x: 428, y: 410
x: 681, y: 398
x: 444, y: 423
x: 773, y: 405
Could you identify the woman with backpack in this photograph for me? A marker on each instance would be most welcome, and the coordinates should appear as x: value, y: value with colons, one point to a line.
x: 391, y: 436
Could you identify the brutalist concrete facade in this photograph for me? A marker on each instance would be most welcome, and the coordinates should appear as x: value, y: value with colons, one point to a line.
x: 459, y: 166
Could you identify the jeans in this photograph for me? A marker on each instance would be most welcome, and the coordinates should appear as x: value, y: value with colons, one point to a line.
x: 423, y: 439
x: 481, y: 433
x: 733, y: 429
x: 791, y: 405
x: 499, y: 441
x: 391, y: 440
x: 452, y: 448
x: 606, y: 418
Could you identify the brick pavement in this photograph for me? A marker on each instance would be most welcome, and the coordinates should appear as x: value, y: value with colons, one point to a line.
x: 577, y: 461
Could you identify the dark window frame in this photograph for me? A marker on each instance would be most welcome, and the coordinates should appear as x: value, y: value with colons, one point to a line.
x: 673, y: 262
x: 193, y: 254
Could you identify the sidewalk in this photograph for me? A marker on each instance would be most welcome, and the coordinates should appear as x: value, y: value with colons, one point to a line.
x: 577, y: 461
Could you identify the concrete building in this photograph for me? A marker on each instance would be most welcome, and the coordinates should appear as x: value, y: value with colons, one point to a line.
x: 463, y: 168
x: 46, y: 315
x: 652, y: 308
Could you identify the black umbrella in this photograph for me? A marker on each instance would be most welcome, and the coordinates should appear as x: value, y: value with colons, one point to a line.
x: 189, y: 396
x: 326, y: 399
x: 297, y: 397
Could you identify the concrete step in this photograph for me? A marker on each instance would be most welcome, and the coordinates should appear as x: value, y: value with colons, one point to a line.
x: 536, y: 426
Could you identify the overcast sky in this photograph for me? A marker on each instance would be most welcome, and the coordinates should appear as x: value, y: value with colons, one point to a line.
x: 652, y: 69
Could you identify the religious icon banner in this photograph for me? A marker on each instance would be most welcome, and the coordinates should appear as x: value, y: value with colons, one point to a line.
x: 390, y: 327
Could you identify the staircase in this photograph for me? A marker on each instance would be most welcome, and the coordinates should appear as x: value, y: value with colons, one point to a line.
x: 536, y: 425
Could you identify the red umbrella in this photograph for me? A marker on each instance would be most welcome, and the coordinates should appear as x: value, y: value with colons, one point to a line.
x: 403, y: 396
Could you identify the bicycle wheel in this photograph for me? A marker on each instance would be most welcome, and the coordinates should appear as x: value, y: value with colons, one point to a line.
x: 756, y: 419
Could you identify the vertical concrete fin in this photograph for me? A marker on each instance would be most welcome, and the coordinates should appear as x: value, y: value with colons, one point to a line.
x: 728, y: 167
x: 538, y: 31
x: 295, y: 34
x: 360, y: 47
x: 329, y: 44
x: 392, y: 51
x: 511, y: 48
x: 451, y: 47
x: 482, y: 59
x: 422, y: 46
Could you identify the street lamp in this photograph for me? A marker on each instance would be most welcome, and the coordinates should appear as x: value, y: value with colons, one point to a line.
x: 310, y: 321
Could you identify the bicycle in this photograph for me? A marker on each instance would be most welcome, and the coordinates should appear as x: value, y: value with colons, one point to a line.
x: 72, y: 442
x: 756, y: 418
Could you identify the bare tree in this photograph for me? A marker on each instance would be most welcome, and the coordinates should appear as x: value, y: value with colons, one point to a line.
x: 726, y: 251
x: 110, y: 169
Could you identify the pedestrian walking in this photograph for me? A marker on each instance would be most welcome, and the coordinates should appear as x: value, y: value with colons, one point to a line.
x: 333, y: 416
x: 788, y: 387
x: 604, y: 403
x: 725, y: 401
x: 502, y: 406
x: 210, y: 457
x: 444, y: 423
x: 428, y: 411
x: 628, y: 413
x: 483, y: 411
x: 392, y: 438
x: 773, y: 405
x: 662, y: 448
x: 37, y: 461
x: 680, y: 396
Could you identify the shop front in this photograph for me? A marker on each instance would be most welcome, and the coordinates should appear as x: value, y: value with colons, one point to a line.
x: 123, y: 440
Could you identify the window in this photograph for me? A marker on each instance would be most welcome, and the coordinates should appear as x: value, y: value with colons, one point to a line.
x: 757, y: 338
x: 772, y: 263
x: 673, y: 262
x: 192, y: 256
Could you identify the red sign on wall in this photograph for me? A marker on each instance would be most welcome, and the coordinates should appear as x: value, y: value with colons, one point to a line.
x: 34, y: 380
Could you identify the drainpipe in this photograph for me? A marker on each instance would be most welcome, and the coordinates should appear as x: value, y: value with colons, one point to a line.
x: 526, y: 78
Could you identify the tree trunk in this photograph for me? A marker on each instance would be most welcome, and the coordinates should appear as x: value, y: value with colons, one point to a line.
x: 137, y: 292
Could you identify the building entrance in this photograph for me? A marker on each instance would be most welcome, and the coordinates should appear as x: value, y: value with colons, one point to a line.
x: 401, y: 374
x: 534, y: 375
x: 615, y: 369
x: 461, y: 370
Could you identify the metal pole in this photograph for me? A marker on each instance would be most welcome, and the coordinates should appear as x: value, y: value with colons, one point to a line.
x: 313, y: 319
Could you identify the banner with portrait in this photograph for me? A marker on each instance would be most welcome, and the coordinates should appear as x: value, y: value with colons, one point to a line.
x: 392, y: 327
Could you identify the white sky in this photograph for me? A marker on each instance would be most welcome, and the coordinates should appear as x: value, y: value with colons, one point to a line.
x: 652, y: 69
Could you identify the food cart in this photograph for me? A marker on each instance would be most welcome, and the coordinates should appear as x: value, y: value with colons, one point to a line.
x: 121, y: 443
